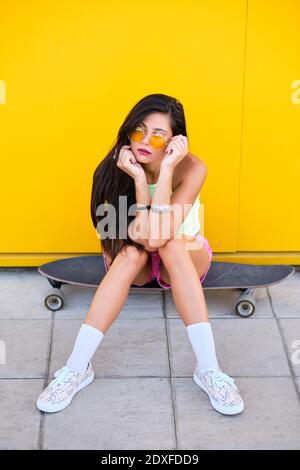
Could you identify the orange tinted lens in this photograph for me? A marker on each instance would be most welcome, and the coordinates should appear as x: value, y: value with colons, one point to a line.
x: 136, y: 135
x: 157, y: 141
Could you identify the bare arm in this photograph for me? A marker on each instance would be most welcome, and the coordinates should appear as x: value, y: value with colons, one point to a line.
x: 138, y: 228
x: 162, y: 195
x: 181, y: 201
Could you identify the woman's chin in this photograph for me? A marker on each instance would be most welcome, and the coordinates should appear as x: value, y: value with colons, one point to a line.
x: 141, y: 158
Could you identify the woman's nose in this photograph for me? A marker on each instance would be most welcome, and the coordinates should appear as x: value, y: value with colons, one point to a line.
x: 145, y: 139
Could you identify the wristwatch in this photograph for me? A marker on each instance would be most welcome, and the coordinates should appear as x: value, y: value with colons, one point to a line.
x: 142, y: 207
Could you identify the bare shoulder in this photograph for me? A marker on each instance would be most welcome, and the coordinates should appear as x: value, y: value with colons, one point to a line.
x: 190, y: 165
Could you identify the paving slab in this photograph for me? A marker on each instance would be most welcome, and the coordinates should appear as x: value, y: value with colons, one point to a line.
x: 22, y: 295
x: 20, y: 419
x: 27, y: 347
x: 136, y: 306
x: 286, y: 297
x: 221, y: 304
x: 127, y: 413
x: 129, y: 348
x: 244, y: 348
x: 291, y: 332
x: 271, y: 419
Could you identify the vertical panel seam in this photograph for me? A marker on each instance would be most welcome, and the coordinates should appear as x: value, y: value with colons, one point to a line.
x: 242, y: 128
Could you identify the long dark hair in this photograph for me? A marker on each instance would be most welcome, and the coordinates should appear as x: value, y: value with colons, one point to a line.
x: 110, y: 182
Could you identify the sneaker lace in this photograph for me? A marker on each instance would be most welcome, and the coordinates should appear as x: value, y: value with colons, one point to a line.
x: 56, y: 373
x: 63, y: 375
x: 218, y: 378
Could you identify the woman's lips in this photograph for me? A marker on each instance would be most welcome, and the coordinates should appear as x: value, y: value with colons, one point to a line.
x: 144, y: 152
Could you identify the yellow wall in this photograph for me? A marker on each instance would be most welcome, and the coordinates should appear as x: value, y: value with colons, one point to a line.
x: 71, y: 70
x: 269, y: 201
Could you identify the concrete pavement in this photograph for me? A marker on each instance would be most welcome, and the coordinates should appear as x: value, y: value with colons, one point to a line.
x: 143, y: 395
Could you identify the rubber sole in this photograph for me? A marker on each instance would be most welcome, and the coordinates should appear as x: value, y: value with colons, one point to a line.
x: 215, y: 405
x: 41, y: 406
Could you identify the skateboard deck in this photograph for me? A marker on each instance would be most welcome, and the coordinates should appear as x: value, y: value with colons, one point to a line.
x: 90, y: 270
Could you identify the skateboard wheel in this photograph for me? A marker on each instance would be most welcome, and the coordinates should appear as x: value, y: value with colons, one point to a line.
x: 245, y: 306
x: 54, y: 300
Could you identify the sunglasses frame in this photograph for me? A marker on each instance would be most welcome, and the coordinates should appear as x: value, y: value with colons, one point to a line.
x: 165, y: 144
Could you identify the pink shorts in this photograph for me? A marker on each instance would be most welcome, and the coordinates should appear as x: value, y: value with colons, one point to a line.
x: 155, y: 260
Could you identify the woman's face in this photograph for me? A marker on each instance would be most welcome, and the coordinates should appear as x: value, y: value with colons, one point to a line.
x: 156, y: 124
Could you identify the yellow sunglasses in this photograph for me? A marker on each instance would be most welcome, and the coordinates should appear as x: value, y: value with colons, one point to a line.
x: 156, y: 140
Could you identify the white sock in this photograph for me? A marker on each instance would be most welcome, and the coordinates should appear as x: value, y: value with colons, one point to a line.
x: 87, y: 341
x: 203, y: 344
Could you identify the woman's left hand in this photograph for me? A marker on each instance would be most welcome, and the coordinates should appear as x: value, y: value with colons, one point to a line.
x: 176, y: 150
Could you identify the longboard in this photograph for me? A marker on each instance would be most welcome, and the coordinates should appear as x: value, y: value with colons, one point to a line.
x: 90, y: 270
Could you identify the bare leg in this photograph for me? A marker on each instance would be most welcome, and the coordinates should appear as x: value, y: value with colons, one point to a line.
x: 113, y: 290
x: 186, y: 287
x: 190, y: 303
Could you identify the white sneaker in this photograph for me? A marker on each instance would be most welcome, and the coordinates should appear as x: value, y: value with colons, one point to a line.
x: 221, y: 389
x: 62, y: 389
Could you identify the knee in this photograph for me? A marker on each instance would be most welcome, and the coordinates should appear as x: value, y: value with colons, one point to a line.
x: 134, y: 255
x: 171, y: 246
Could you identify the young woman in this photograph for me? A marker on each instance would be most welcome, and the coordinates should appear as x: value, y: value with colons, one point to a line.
x: 150, y: 164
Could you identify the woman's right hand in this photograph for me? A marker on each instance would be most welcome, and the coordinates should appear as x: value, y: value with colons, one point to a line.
x: 128, y: 163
